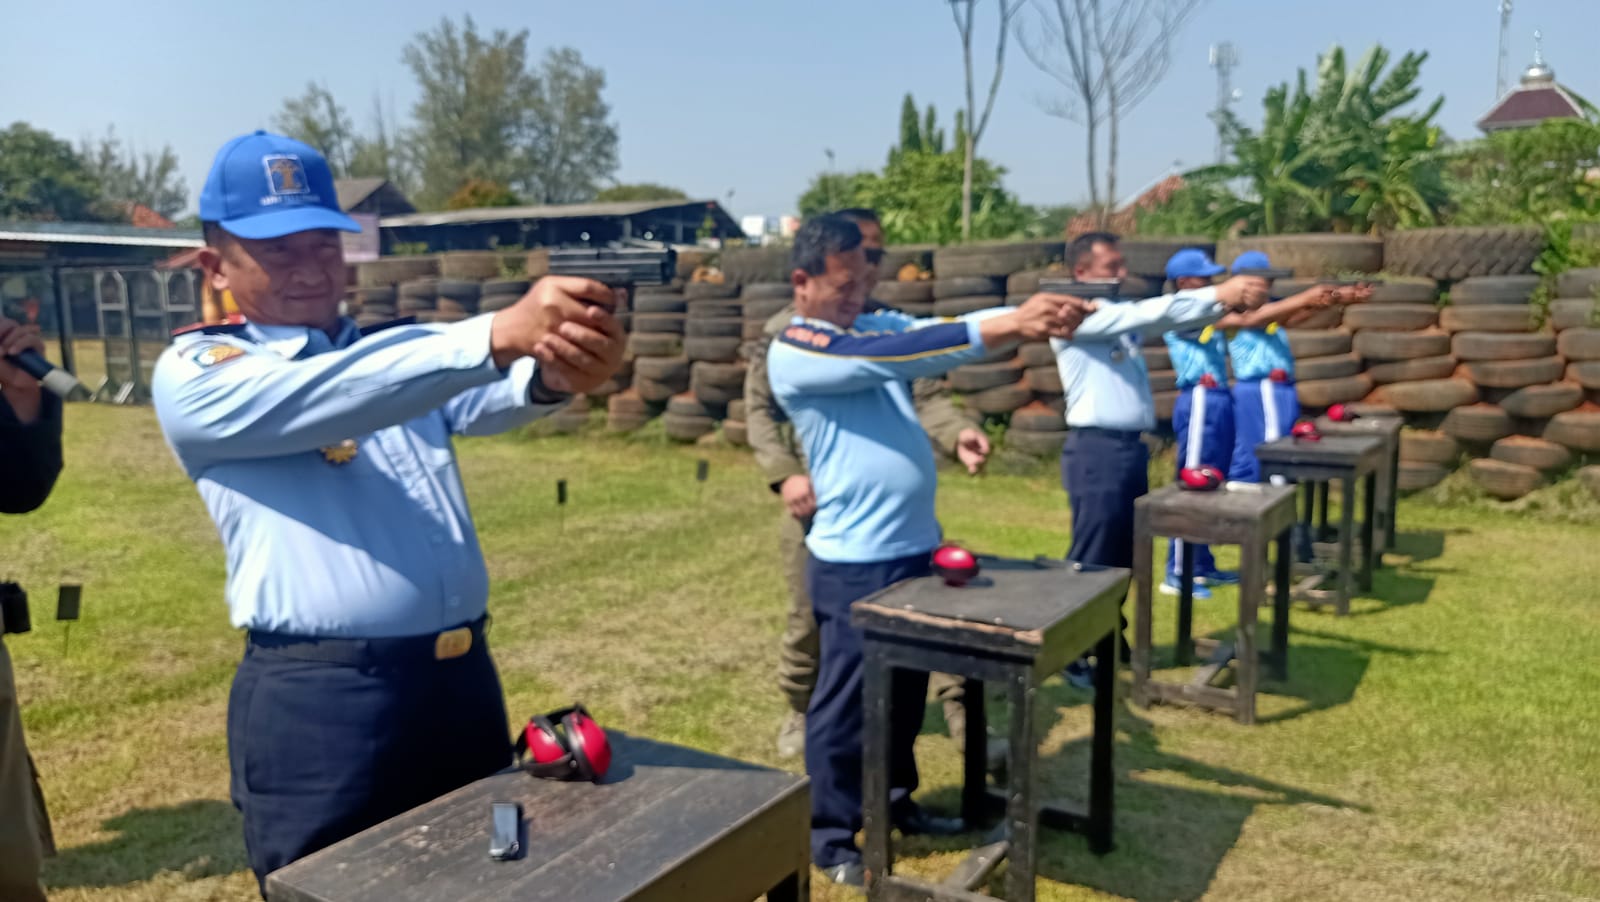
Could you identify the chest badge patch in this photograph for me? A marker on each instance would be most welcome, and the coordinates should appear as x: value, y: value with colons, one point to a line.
x: 342, y: 453
x: 214, y: 355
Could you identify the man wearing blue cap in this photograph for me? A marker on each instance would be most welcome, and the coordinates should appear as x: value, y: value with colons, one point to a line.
x: 1264, y: 401
x: 323, y: 453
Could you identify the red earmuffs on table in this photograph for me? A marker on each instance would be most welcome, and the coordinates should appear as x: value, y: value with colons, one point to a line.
x: 564, y: 745
x: 1306, y: 431
x: 1201, y: 479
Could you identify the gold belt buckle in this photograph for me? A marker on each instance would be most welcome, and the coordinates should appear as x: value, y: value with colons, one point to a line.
x: 452, y: 643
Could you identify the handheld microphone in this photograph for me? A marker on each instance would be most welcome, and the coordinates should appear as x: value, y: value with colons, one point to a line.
x: 58, y: 381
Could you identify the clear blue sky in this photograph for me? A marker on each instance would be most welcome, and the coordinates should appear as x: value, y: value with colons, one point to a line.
x: 716, y: 96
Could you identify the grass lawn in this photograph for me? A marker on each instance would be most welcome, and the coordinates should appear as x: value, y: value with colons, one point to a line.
x: 1434, y: 745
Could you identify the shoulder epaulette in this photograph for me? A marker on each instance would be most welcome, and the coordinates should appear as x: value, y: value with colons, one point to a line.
x: 227, y: 328
x: 388, y: 324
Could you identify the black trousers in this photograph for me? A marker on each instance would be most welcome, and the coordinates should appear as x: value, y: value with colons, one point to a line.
x: 1104, y: 472
x: 329, y: 739
x: 834, y: 719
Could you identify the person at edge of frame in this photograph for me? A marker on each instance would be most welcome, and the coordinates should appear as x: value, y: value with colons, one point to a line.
x: 324, y: 454
x: 1104, y: 462
x: 782, y: 463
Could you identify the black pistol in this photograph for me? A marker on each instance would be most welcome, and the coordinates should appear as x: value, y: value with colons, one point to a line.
x: 616, y: 267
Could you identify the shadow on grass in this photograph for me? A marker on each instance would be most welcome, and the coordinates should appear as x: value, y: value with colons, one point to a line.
x: 1176, y: 818
x: 198, y: 839
x: 1422, y: 546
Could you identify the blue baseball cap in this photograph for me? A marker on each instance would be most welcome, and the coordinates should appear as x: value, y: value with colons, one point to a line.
x: 1251, y: 260
x: 1192, y: 262
x: 267, y: 186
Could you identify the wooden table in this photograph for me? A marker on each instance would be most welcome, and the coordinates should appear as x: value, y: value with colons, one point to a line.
x: 668, y: 823
x: 1017, y: 623
x: 1252, y: 516
x: 1387, y: 428
x: 1347, y: 459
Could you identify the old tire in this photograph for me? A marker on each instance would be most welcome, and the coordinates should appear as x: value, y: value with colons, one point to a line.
x: 1574, y: 313
x: 715, y: 309
x: 513, y: 287
x: 655, y: 344
x: 1318, y: 342
x: 1327, y: 318
x: 713, y: 349
x: 1421, y: 291
x: 969, y: 286
x: 713, y: 327
x: 1505, y: 481
x: 1038, y: 353
x: 1402, y: 345
x: 1440, y: 367
x: 1162, y: 381
x: 470, y: 265
x: 1586, y: 374
x: 977, y: 377
x: 1546, y: 457
x: 395, y: 270
x: 657, y: 391
x: 1539, y: 402
x: 1479, y: 423
x: 1576, y: 429
x: 1035, y: 417
x: 761, y: 311
x: 767, y: 291
x: 1471, y: 346
x: 684, y: 428
x: 1493, y: 290
x: 1415, y: 476
x: 1157, y: 358
x: 1459, y: 253
x: 896, y: 293
x: 1044, y: 380
x: 1310, y: 256
x: 660, y: 303
x: 716, y: 383
x: 745, y: 265
x: 1326, y: 392
x: 1487, y: 318
x: 1579, y: 344
x: 1428, y: 446
x: 961, y: 306
x: 1038, y: 444
x: 1589, y: 477
x: 1578, y: 283
x: 1390, y: 317
x: 1427, y: 395
x: 1003, y: 399
x: 711, y: 291
x: 1001, y: 259
x: 1514, y: 373
x: 659, y: 323
x: 1337, y: 366
x: 662, y: 369
x: 1165, y: 401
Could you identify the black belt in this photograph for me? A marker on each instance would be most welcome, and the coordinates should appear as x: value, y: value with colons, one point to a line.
x: 442, y: 646
x: 1124, y: 435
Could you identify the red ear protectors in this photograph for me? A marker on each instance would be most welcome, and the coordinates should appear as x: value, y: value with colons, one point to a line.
x: 1306, y: 431
x: 564, y: 745
x: 1201, y: 478
x: 1340, y: 414
x: 956, y: 565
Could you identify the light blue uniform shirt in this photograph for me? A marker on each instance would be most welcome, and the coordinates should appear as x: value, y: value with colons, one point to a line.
x: 1197, y: 353
x: 1257, y: 352
x: 382, y: 545
x: 1102, y: 367
x: 848, y: 394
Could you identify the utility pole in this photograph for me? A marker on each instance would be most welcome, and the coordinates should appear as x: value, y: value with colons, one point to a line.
x: 1223, y: 58
x: 1505, y: 49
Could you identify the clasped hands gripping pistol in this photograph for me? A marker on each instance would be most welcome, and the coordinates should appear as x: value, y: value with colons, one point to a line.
x: 616, y: 267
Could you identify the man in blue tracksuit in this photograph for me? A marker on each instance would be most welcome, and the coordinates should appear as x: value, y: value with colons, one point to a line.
x: 1104, y: 463
x: 843, y: 379
x: 1265, y: 405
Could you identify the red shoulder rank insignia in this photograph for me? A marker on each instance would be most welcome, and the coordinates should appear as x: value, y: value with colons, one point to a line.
x: 812, y: 337
x: 216, y: 354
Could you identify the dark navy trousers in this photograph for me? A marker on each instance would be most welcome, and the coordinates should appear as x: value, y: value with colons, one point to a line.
x: 834, y: 719
x: 328, y: 739
x: 1104, y: 472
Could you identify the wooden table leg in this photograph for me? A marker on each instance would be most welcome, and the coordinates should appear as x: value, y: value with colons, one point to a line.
x: 1143, y: 579
x: 875, y: 739
x: 794, y: 888
x: 1393, y: 498
x: 1183, y: 649
x: 1310, y: 510
x: 1247, y: 661
x: 1347, y: 537
x: 1021, y: 810
x: 1280, y: 607
x: 974, y: 783
x: 1370, y: 552
x: 1322, y: 505
x: 1102, y: 777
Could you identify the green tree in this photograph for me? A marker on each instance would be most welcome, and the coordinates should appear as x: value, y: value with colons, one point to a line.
x: 910, y: 124
x: 42, y: 178
x: 919, y: 196
x: 1531, y: 175
x: 476, y: 193
x: 640, y: 191
x: 317, y: 119
x: 377, y: 154
x: 129, y: 177
x: 831, y: 191
x: 572, y: 144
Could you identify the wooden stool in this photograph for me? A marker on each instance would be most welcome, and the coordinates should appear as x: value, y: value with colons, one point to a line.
x: 1387, y: 428
x: 1250, y: 516
x: 668, y: 823
x: 1315, y: 464
x: 1016, y: 623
